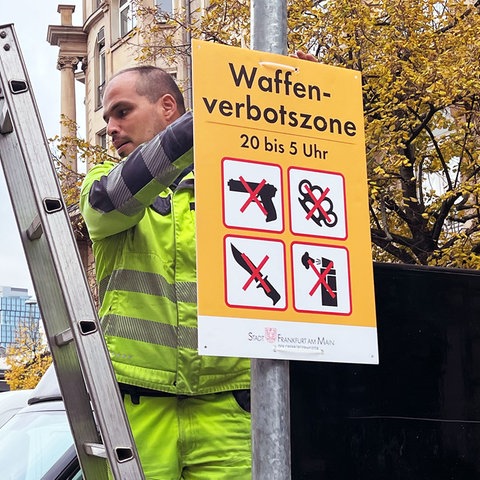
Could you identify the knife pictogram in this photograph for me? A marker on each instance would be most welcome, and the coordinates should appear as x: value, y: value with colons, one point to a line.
x: 262, y: 281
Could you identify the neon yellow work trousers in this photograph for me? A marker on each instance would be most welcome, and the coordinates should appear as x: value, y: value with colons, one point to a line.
x: 206, y: 437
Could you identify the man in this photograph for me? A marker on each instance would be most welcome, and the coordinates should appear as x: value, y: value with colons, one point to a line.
x: 189, y: 414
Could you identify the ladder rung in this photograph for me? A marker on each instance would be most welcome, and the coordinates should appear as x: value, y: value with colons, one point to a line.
x: 123, y: 454
x: 35, y: 230
x: 95, y: 450
x: 64, y: 337
x: 6, y: 125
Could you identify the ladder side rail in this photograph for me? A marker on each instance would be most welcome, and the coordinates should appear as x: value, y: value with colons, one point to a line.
x: 54, y: 314
x: 83, y: 366
x: 52, y: 305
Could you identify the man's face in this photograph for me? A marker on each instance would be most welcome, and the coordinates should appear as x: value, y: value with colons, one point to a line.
x: 131, y: 118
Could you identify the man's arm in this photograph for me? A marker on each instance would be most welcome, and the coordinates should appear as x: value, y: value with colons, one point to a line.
x: 114, y: 197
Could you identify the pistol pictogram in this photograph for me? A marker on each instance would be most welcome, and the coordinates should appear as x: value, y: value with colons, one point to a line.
x: 265, y: 194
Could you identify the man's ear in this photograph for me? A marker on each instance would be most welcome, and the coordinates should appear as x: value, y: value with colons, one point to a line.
x: 169, y: 106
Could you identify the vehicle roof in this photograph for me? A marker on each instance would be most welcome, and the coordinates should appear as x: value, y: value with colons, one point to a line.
x: 47, y: 388
x: 12, y: 401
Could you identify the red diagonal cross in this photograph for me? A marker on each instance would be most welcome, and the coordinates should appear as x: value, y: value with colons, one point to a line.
x: 317, y: 203
x: 253, y: 195
x: 321, y: 278
x: 256, y: 275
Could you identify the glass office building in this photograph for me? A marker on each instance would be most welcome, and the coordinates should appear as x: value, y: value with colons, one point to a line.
x: 17, y: 309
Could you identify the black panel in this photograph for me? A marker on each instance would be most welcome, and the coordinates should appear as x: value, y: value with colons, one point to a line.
x: 416, y: 416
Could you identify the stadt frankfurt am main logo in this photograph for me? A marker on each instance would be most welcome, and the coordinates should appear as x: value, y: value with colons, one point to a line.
x: 270, y: 334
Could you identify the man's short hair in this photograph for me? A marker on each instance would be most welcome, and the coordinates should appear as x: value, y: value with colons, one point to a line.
x: 154, y: 82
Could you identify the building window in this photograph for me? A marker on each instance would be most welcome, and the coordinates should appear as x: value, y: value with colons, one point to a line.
x: 15, y: 314
x: 164, y: 6
x: 164, y: 10
x: 127, y: 18
x: 100, y: 74
x: 102, y: 138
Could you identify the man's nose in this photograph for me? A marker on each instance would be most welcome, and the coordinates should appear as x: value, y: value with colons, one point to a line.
x: 112, y: 127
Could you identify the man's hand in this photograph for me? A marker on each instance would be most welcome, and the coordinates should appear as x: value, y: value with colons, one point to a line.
x: 304, y: 56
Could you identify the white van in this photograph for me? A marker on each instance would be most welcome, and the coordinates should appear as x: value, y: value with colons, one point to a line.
x: 36, y: 442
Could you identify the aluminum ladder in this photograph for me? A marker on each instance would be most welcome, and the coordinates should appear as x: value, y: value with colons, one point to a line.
x: 92, y: 399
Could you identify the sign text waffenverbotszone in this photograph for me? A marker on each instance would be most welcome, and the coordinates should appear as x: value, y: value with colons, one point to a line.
x: 280, y: 84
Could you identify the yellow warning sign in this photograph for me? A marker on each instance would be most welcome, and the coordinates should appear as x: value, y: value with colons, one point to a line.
x: 283, y: 235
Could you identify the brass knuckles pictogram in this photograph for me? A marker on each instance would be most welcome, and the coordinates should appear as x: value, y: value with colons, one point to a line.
x: 308, y: 201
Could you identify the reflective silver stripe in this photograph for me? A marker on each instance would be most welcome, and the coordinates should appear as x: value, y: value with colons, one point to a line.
x: 188, y: 337
x: 142, y: 282
x: 157, y: 161
x: 150, y: 332
x: 187, y: 292
x: 149, y: 283
x: 120, y: 194
x: 131, y: 207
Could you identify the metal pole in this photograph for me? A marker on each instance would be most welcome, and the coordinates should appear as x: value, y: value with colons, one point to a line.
x: 271, y: 420
x: 188, y: 41
x: 268, y: 26
x: 270, y: 378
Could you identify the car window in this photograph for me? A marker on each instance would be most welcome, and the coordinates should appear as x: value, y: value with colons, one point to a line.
x: 11, y: 402
x: 31, y: 442
x: 67, y: 467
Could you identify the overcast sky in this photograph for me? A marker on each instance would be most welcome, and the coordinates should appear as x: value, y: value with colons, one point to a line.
x: 31, y: 19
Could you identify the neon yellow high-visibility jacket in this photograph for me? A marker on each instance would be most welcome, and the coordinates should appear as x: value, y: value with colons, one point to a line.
x: 143, y: 235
